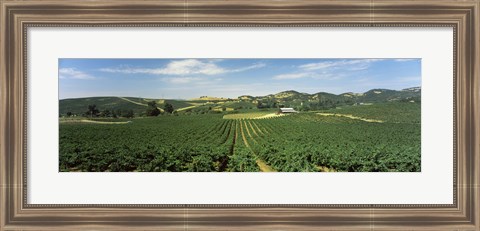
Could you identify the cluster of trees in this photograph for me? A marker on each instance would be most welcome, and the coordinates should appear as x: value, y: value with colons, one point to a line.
x: 168, y: 108
x: 269, y: 104
x: 152, y: 110
x: 322, y: 104
x: 203, y: 110
x: 410, y: 99
x: 94, y: 112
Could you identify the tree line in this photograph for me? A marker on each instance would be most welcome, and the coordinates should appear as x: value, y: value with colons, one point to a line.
x: 152, y: 110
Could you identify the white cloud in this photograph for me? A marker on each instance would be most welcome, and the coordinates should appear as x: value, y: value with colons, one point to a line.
x: 73, y: 73
x: 254, y: 66
x: 190, y: 66
x: 180, y: 67
x: 351, y: 64
x: 405, y: 60
x: 314, y: 75
x: 317, y: 66
x: 292, y: 76
x: 184, y: 67
x: 179, y: 80
x: 329, y: 69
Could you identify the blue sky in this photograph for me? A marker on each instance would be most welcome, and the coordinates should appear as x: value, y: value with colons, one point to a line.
x: 192, y: 78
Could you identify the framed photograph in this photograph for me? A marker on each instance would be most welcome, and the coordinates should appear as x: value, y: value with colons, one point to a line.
x: 272, y: 115
x: 239, y: 115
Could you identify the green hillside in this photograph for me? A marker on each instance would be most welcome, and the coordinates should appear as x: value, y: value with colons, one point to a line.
x: 297, y: 100
x: 379, y: 95
x: 394, y: 112
x: 325, y: 100
x: 177, y: 104
x: 80, y: 106
x: 240, y: 105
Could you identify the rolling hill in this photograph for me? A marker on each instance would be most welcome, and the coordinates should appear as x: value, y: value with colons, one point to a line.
x: 78, y: 106
x: 295, y: 99
x: 371, y: 96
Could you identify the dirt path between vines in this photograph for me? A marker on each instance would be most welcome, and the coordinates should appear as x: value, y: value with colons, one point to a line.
x: 253, y: 130
x: 325, y: 169
x: 268, y: 116
x: 264, y: 167
x: 258, y: 128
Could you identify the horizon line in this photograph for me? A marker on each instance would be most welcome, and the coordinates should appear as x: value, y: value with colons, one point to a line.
x: 239, y: 95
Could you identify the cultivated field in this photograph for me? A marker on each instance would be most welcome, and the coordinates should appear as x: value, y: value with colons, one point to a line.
x: 379, y: 137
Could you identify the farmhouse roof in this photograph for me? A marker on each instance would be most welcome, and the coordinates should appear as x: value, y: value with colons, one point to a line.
x: 287, y: 109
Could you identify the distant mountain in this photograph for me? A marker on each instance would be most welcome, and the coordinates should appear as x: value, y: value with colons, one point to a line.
x: 412, y: 89
x: 325, y: 100
x: 291, y: 98
x: 371, y: 96
x: 376, y: 95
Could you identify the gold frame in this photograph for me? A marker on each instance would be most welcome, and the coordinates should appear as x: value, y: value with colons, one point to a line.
x: 17, y: 16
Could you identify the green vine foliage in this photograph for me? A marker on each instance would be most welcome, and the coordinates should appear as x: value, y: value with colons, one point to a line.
x: 303, y: 142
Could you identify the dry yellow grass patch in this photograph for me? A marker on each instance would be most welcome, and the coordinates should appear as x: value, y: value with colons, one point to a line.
x: 209, y: 98
x: 142, y: 104
x: 325, y: 169
x: 131, y: 101
x: 94, y: 122
x: 271, y: 115
x: 263, y: 166
x: 253, y: 115
x: 186, y: 108
x: 221, y: 109
x: 352, y: 117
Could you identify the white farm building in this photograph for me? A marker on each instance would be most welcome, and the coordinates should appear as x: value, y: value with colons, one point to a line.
x: 286, y: 110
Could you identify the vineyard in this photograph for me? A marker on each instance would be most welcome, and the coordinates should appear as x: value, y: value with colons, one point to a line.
x: 301, y: 142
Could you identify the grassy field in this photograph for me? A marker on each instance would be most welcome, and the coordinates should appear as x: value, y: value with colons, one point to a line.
x: 253, y: 115
x: 137, y: 105
x: 365, y: 138
x: 392, y: 112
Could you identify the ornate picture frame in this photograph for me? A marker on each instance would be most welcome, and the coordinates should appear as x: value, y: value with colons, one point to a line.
x: 18, y: 16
